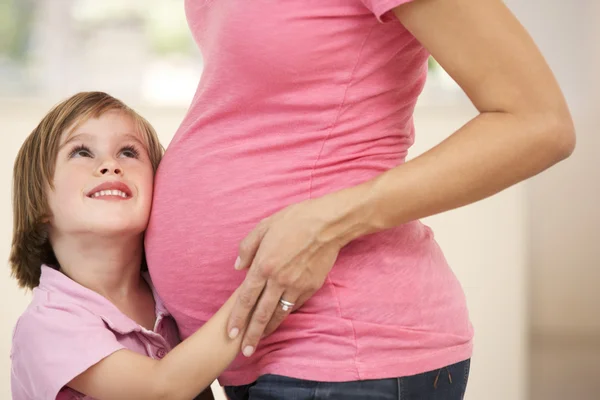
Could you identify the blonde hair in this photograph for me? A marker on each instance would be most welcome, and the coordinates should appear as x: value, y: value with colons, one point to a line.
x: 34, y: 171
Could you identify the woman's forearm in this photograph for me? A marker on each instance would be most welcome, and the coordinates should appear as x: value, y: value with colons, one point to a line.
x: 196, y: 362
x: 524, y: 125
x: 490, y: 153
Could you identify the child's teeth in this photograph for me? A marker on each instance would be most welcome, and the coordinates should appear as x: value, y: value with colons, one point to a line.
x: 110, y: 193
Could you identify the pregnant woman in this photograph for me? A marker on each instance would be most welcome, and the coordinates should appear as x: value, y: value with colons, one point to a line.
x: 288, y: 177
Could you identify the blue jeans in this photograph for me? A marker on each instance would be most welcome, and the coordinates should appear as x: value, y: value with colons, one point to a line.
x: 448, y: 383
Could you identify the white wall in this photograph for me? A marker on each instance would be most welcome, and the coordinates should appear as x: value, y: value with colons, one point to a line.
x: 564, y: 202
x: 485, y: 243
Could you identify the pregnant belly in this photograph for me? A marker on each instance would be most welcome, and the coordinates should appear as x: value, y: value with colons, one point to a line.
x: 205, y: 205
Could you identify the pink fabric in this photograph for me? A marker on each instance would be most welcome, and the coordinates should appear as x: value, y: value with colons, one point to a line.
x: 383, y: 8
x: 66, y: 329
x: 298, y: 99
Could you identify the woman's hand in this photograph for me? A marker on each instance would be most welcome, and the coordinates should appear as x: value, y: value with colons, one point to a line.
x: 289, y: 256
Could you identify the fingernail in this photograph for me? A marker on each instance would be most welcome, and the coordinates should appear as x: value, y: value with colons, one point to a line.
x: 233, y: 333
x: 248, y: 350
x: 238, y: 262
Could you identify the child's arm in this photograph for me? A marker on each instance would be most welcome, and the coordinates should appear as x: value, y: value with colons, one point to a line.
x: 184, y: 372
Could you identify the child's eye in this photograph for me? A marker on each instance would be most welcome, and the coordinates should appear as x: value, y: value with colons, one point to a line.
x: 80, y: 151
x: 130, y: 152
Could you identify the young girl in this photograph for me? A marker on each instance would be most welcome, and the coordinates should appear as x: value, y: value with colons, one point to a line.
x: 96, y: 328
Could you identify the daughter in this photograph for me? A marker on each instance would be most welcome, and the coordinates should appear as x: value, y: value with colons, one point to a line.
x: 95, y: 328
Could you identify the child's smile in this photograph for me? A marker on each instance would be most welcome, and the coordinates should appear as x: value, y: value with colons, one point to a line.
x: 110, y: 191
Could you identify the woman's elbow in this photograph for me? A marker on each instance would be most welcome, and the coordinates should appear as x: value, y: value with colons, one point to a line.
x: 552, y: 134
x: 561, y: 136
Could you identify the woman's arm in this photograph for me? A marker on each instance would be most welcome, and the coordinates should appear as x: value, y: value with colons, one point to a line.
x: 523, y: 128
x: 183, y: 373
x: 524, y: 125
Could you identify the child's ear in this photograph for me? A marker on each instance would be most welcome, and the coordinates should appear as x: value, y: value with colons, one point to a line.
x: 46, y: 219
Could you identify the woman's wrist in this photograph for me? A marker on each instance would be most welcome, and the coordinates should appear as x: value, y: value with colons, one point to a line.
x: 349, y: 214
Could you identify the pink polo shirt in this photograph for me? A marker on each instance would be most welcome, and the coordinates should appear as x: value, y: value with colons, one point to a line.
x: 299, y: 98
x: 67, y: 328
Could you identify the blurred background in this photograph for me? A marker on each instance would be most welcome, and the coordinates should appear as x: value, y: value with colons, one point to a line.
x: 528, y: 258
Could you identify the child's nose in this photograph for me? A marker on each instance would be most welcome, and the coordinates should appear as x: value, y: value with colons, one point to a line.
x: 116, y: 171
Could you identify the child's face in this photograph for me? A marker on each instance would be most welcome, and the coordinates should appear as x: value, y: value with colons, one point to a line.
x: 103, y: 179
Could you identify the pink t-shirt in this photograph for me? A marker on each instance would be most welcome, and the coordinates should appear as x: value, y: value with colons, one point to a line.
x: 297, y: 99
x: 66, y: 329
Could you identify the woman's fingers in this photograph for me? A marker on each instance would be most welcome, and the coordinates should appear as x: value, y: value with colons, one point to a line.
x: 288, y: 302
x: 253, y: 285
x: 249, y: 246
x: 266, y: 307
x: 249, y: 292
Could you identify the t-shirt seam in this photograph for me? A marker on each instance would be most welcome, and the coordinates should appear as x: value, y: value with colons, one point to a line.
x: 339, y: 111
x: 429, y: 354
x: 310, y: 194
x: 391, y: 360
x: 381, y: 9
x: 339, y: 309
x: 99, y: 356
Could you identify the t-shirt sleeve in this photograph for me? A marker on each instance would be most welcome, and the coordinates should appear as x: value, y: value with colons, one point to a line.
x: 51, y: 346
x: 382, y: 8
